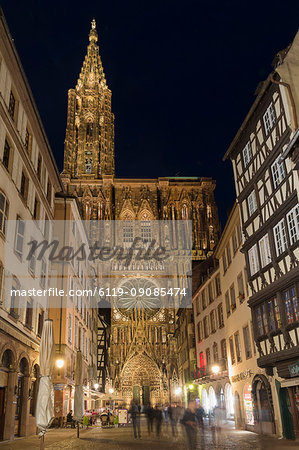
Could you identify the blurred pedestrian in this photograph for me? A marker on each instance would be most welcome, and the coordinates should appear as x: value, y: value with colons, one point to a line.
x: 200, y: 414
x: 135, y: 416
x: 190, y: 422
x: 173, y: 419
x: 149, y: 412
x: 158, y: 420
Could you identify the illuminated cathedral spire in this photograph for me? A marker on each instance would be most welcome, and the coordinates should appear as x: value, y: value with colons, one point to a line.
x: 89, y: 141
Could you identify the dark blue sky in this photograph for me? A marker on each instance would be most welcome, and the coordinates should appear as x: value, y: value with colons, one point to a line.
x: 182, y: 74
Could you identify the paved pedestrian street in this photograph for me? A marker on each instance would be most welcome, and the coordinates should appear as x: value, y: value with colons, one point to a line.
x: 122, y: 438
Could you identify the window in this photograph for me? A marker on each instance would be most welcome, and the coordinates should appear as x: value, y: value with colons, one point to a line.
x: 28, y: 141
x: 253, y: 260
x: 247, y: 342
x: 36, y: 209
x: 278, y: 172
x: 238, y: 347
x: 247, y: 154
x: 7, y: 156
x: 232, y: 350
x: 280, y: 237
x: 265, y: 252
x: 49, y: 192
x: 293, y: 224
x: 235, y: 243
x: 252, y: 204
x: 40, y: 323
x: 205, y: 327
x: 224, y: 263
x: 273, y: 314
x: 220, y: 315
x: 39, y: 167
x: 229, y: 256
x: 215, y: 353
x: 32, y: 262
x: 128, y: 232
x: 232, y: 297
x: 208, y: 356
x: 241, y: 287
x: 227, y: 304
x: 269, y: 118
x: 88, y: 164
x: 291, y: 305
x: 218, y: 285
x: 24, y: 187
x: 28, y: 317
x: 43, y: 275
x: 4, y: 208
x: 210, y: 290
x: 197, y: 305
x: 261, y: 320
x: 146, y: 232
x: 212, y: 321
x: 14, y: 299
x: 240, y: 237
x: 70, y: 330
x: 199, y: 331
x: 19, y: 238
x: 223, y: 349
x: 203, y: 300
x: 12, y: 105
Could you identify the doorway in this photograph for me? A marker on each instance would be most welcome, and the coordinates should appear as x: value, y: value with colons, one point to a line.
x: 145, y: 395
x: 136, y: 394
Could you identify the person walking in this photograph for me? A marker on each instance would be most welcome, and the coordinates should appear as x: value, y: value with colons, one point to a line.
x: 158, y: 419
x: 173, y: 417
x: 190, y: 422
x: 135, y: 416
x: 149, y: 412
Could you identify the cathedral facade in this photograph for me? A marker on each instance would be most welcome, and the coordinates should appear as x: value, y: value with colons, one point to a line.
x: 142, y: 351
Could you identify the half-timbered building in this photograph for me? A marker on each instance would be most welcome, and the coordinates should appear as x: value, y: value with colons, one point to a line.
x: 267, y: 193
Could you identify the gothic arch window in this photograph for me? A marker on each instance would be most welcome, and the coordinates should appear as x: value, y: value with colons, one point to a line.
x: 88, y: 165
x: 145, y: 227
x: 185, y: 214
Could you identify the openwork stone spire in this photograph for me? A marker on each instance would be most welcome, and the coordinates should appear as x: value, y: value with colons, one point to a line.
x: 89, y: 142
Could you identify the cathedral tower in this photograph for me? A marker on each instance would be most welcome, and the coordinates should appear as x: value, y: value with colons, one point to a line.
x: 89, y: 141
x: 142, y: 362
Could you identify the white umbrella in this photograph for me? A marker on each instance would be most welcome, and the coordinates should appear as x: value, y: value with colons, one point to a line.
x: 78, y: 398
x: 45, y: 398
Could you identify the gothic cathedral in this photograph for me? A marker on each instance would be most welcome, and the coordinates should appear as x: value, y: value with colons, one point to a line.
x: 142, y: 358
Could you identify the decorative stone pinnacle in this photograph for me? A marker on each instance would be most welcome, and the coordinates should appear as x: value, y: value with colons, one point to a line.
x: 93, y: 35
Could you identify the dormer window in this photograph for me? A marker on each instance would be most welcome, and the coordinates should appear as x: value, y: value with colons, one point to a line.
x: 269, y: 118
x: 247, y: 154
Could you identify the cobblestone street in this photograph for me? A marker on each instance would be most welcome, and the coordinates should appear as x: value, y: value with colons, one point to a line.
x: 122, y: 438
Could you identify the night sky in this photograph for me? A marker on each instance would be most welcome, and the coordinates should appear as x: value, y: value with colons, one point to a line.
x: 182, y: 74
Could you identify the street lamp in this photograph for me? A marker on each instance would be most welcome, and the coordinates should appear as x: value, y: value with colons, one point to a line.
x: 96, y: 385
x: 59, y: 363
x: 215, y: 369
x: 111, y: 390
x: 190, y: 387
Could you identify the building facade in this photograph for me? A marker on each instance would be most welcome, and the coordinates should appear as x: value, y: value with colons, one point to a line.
x: 28, y: 181
x: 75, y: 319
x: 140, y: 355
x: 229, y: 376
x: 263, y: 154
